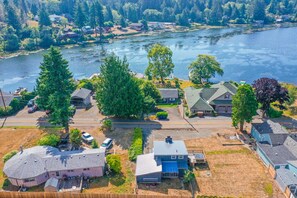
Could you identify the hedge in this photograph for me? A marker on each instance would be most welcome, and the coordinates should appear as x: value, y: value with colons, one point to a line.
x: 136, y: 147
x: 162, y: 115
x: 9, y: 155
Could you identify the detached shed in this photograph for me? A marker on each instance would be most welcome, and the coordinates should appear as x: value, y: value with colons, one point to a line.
x: 81, y: 97
x: 148, y: 170
x: 51, y: 185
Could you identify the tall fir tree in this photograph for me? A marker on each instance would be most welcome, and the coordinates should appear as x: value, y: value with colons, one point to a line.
x: 44, y: 19
x: 80, y: 17
x: 54, y: 87
x: 13, y: 19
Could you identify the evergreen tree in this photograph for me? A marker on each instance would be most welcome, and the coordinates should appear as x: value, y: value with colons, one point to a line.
x: 109, y: 14
x: 259, y: 10
x: 100, y: 17
x: 13, y: 19
x: 80, y: 17
x: 11, y: 40
x: 54, y: 87
x: 244, y: 106
x: 44, y: 19
x: 118, y: 92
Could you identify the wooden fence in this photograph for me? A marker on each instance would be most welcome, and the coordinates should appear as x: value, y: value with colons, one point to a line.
x: 77, y: 195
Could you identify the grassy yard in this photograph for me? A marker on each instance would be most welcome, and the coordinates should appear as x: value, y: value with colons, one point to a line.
x: 160, y: 106
x: 232, y: 171
x: 13, y: 138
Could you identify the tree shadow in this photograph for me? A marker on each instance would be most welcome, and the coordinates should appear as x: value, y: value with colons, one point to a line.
x: 118, y: 179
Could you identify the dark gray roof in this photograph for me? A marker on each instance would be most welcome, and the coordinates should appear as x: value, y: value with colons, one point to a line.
x: 81, y: 93
x: 278, y: 139
x: 175, y: 148
x: 41, y: 159
x: 291, y: 145
x: 146, y: 164
x: 269, y: 126
x: 168, y: 93
x: 7, y: 99
x: 52, y: 182
x: 277, y: 154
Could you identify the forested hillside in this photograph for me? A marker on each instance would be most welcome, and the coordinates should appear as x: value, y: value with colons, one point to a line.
x: 16, y: 16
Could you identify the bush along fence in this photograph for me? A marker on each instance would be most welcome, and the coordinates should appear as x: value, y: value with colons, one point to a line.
x: 162, y: 115
x: 136, y: 146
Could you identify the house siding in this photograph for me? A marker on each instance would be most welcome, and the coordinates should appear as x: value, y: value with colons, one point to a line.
x: 260, y: 137
x: 292, y: 168
x: 92, y: 172
x: 37, y: 181
x: 149, y: 178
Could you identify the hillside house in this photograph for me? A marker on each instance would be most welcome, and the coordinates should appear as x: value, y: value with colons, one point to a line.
x: 216, y: 98
x: 168, y: 160
x: 34, y: 166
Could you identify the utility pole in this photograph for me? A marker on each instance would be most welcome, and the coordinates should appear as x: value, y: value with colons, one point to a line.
x: 3, y: 99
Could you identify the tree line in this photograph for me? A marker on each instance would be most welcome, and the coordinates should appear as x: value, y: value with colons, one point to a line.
x: 100, y: 13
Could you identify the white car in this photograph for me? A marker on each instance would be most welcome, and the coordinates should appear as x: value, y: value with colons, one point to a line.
x: 106, y: 143
x: 87, y: 137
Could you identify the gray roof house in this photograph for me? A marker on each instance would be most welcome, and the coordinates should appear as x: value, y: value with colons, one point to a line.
x: 168, y: 160
x: 278, y: 149
x: 168, y: 95
x: 34, y: 166
x: 7, y: 99
x: 81, y: 97
x: 217, y: 97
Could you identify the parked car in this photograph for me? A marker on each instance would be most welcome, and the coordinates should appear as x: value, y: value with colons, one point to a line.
x: 31, y: 103
x: 33, y: 109
x: 106, y: 143
x: 87, y: 137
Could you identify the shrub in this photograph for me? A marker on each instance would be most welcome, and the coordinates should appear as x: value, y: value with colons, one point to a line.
x: 49, y: 140
x: 187, y: 113
x: 189, y: 176
x: 114, y: 163
x: 136, y: 147
x: 162, y: 115
x: 273, y: 113
x: 6, y: 112
x: 95, y: 144
x: 9, y: 155
x: 107, y: 124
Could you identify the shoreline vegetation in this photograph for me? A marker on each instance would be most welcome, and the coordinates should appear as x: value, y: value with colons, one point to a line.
x: 246, y: 29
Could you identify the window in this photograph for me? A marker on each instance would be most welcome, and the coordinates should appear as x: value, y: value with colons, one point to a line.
x: 180, y: 157
x: 70, y: 170
x: 29, y: 180
x: 85, y: 169
x: 227, y: 96
x: 57, y: 174
x: 173, y: 157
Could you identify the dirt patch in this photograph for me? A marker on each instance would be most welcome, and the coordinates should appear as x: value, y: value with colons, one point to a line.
x: 232, y: 171
x: 12, y: 139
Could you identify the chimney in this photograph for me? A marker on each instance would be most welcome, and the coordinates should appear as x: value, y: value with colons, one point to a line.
x: 168, y: 140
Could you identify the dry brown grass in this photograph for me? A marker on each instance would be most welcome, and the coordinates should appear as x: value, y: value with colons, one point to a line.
x: 233, y: 171
x: 32, y: 23
x: 12, y: 139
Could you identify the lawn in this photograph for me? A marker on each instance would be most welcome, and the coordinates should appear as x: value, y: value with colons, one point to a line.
x: 160, y: 106
x: 13, y: 138
x: 232, y: 171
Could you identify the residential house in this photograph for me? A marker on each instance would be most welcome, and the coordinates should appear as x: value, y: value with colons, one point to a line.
x: 87, y: 30
x: 168, y: 160
x: 169, y: 95
x: 6, y: 100
x: 81, y: 98
x: 34, y: 166
x: 136, y: 26
x: 216, y: 98
x: 55, y: 18
x: 278, y: 150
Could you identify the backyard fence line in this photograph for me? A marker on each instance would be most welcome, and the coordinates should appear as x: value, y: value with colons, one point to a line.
x: 78, y: 195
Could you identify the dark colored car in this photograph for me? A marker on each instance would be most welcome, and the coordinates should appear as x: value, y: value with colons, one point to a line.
x: 31, y: 103
x: 33, y: 109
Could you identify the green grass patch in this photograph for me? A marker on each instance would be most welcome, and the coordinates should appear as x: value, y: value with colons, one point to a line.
x: 226, y: 152
x: 160, y: 106
x: 268, y: 189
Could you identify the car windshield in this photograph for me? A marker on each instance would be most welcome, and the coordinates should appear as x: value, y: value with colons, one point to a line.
x: 103, y: 144
x: 87, y: 136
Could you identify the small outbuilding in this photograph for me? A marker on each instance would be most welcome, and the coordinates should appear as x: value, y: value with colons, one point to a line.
x: 81, y: 98
x: 168, y: 95
x: 51, y: 185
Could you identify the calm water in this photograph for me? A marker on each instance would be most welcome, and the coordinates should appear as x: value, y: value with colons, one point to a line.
x: 246, y: 57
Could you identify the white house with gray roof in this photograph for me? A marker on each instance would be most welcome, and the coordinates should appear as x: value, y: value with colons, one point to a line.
x: 217, y: 97
x: 34, y: 166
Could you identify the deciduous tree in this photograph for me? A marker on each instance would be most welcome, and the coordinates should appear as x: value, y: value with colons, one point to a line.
x: 160, y: 62
x: 244, y: 106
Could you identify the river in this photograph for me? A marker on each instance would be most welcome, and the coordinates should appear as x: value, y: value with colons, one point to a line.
x: 271, y: 53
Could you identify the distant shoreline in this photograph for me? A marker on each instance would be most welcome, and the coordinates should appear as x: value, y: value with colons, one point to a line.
x: 248, y: 30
